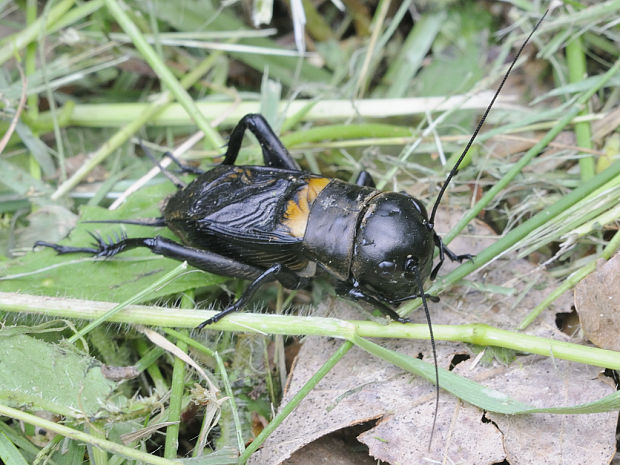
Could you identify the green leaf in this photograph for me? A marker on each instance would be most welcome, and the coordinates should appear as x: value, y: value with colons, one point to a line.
x: 56, y: 379
x: 9, y: 453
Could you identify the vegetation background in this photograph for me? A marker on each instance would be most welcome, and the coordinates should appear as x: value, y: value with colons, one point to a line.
x: 395, y: 88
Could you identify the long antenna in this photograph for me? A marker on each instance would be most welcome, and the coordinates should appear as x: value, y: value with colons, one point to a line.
x: 455, y: 169
x: 432, y: 336
x: 453, y: 172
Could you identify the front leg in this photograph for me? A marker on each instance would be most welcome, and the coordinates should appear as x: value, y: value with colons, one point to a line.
x: 357, y: 293
x: 443, y: 251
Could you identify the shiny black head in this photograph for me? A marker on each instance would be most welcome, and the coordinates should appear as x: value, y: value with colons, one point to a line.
x: 394, y: 242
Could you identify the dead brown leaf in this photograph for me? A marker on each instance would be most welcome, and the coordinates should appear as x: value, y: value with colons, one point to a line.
x: 387, y: 440
x: 555, y: 439
x: 606, y: 125
x: 597, y: 300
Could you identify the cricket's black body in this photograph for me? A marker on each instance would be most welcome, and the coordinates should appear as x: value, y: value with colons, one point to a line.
x: 368, y: 240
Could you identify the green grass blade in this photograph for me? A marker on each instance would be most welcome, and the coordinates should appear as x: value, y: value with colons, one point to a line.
x: 475, y: 333
x: 576, y: 61
x: 9, y: 454
x: 13, y: 44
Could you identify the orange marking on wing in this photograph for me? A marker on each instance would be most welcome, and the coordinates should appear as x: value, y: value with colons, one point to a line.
x: 298, y: 208
x: 316, y: 185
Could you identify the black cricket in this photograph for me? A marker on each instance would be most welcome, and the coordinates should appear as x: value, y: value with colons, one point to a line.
x: 279, y: 223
